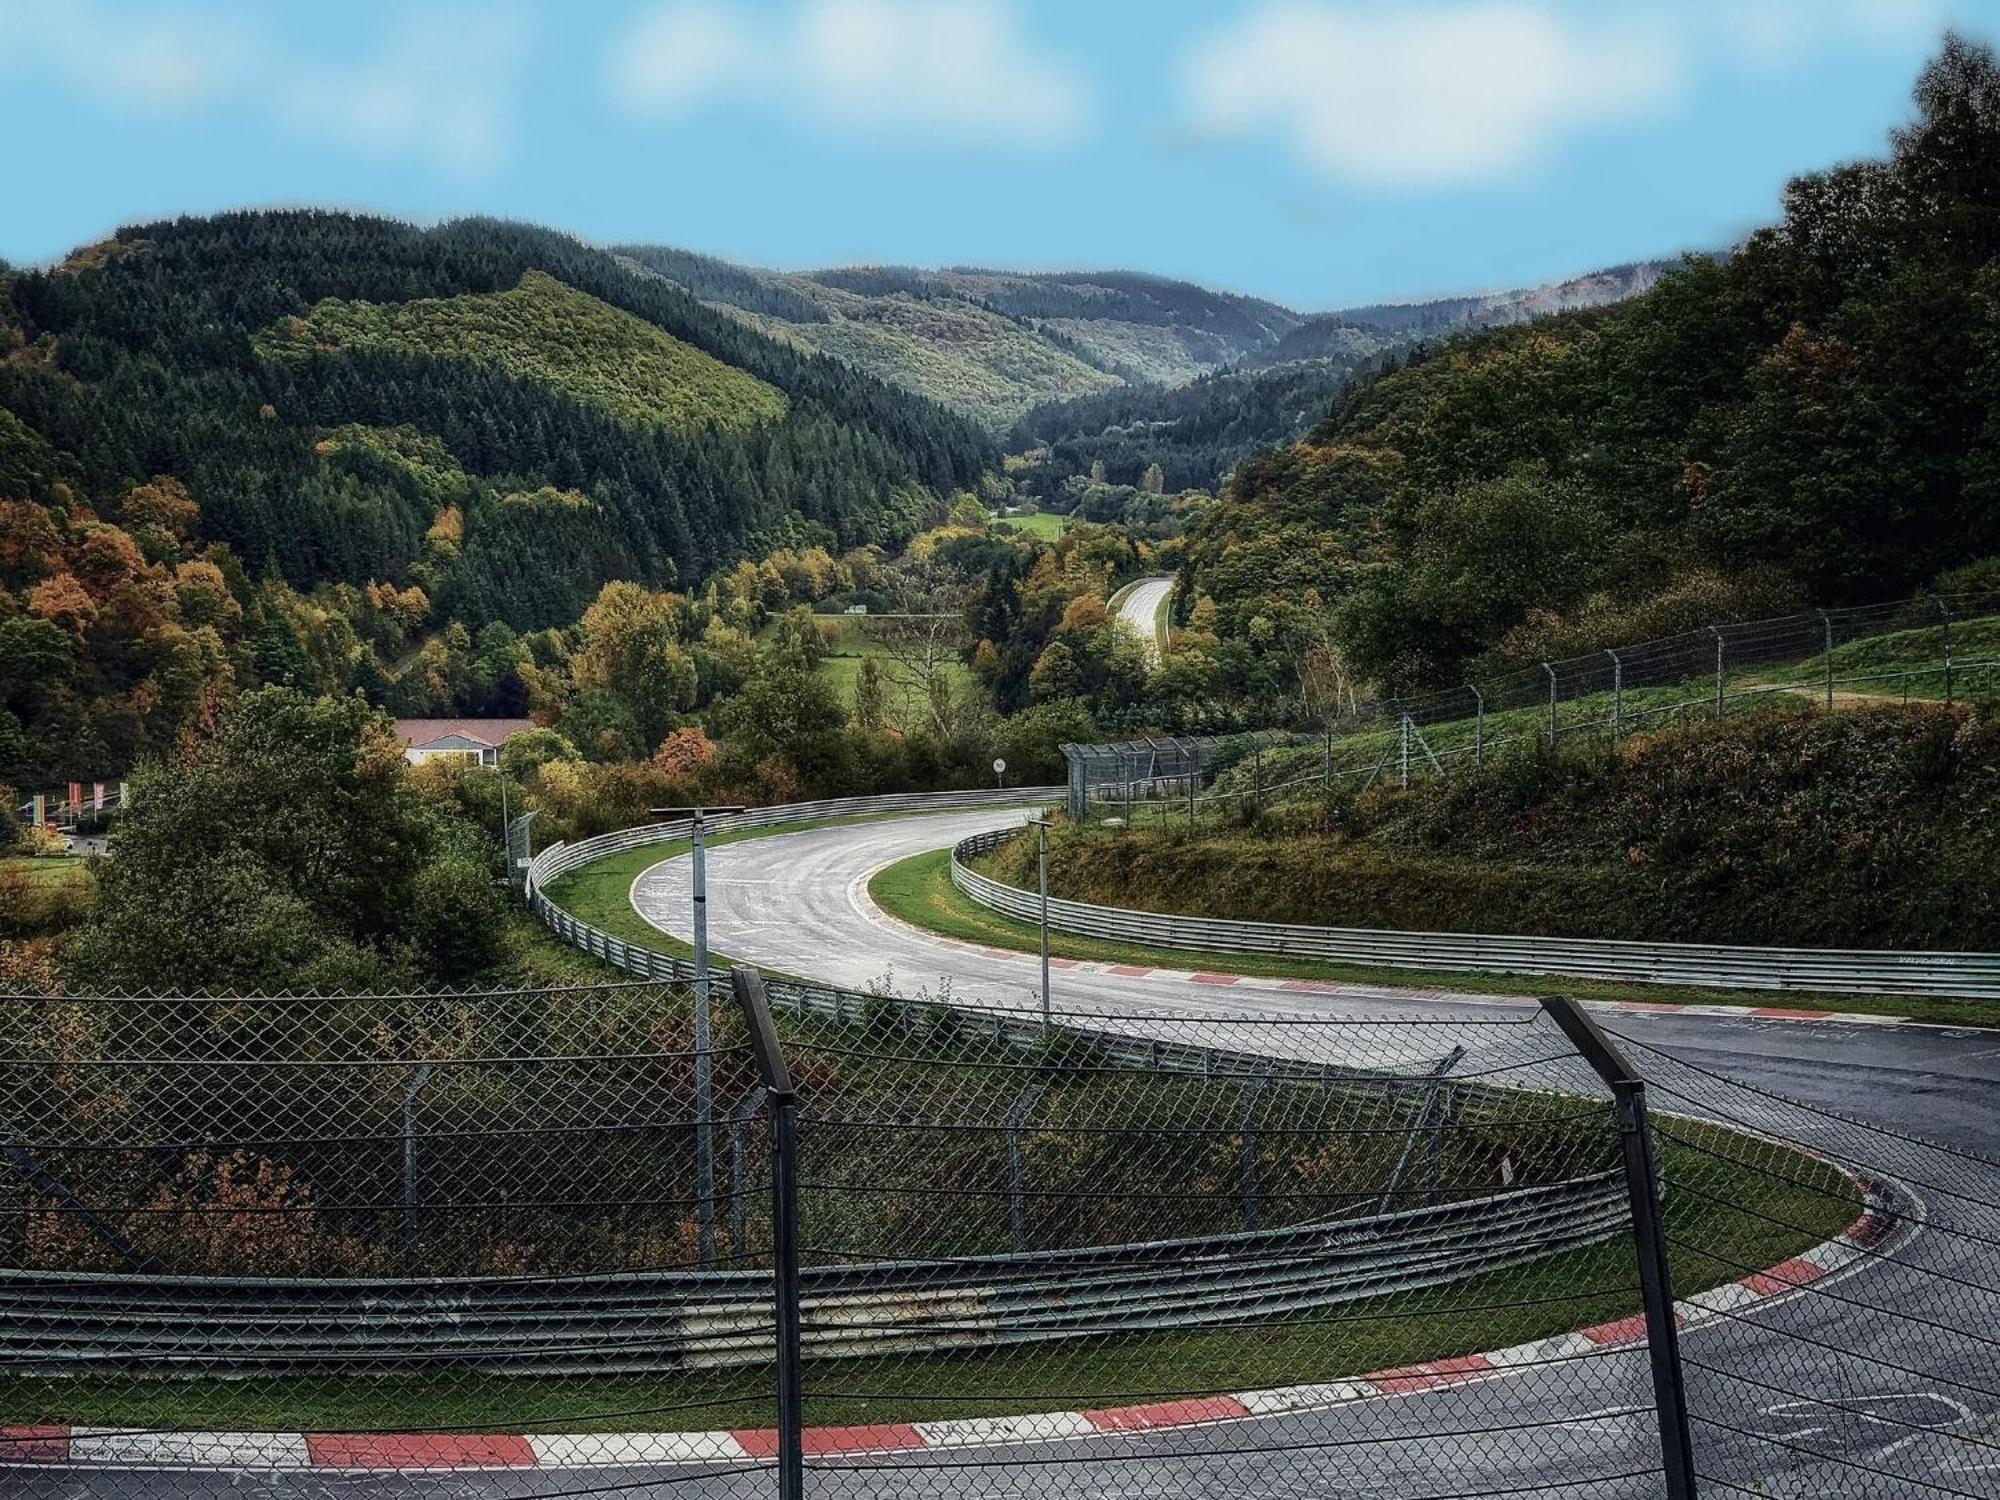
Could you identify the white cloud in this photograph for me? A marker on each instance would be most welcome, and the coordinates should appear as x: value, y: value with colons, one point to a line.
x: 1442, y: 91
x: 431, y: 86
x: 953, y: 67
x: 437, y: 86
x: 1424, y: 93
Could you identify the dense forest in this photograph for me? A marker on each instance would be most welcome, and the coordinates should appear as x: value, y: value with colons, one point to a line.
x: 1812, y: 420
x: 451, y: 435
x: 1195, y: 433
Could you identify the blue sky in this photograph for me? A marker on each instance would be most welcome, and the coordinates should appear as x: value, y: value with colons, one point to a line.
x: 1322, y: 152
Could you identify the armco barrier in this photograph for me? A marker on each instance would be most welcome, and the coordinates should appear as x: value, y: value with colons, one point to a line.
x: 560, y: 858
x: 667, y: 1322
x: 1822, y: 970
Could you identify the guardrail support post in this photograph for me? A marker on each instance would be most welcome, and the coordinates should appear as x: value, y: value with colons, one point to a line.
x: 1628, y: 1095
x: 756, y: 1006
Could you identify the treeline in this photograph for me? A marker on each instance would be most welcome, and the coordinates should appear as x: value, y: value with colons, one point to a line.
x: 1813, y: 419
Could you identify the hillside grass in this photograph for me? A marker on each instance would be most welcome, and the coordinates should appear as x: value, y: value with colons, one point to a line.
x: 44, y: 895
x: 856, y: 637
x: 547, y: 331
x: 1897, y: 666
x: 966, y: 357
x: 1046, y: 524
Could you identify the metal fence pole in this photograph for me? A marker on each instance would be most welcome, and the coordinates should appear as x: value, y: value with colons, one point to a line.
x: 756, y: 1006
x: 1403, y: 753
x: 416, y: 1086
x: 1712, y: 630
x: 1617, y: 695
x: 1826, y: 632
x: 1042, y: 875
x: 704, y: 1062
x: 1944, y: 610
x: 1552, y: 701
x: 1017, y: 1167
x: 1251, y: 1091
x: 1628, y: 1094
x: 1425, y: 1115
x: 1478, y: 725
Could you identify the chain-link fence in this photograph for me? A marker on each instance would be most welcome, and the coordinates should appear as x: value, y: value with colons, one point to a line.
x: 298, y: 1242
x: 1942, y: 647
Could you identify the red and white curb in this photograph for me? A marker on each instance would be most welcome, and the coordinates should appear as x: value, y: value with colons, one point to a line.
x: 58, y: 1446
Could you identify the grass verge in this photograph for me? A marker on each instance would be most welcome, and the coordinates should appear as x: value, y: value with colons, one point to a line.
x: 919, y: 891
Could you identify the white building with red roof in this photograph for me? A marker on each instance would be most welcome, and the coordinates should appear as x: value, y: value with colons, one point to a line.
x: 458, y: 739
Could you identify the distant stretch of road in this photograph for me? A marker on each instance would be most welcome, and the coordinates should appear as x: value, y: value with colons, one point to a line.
x: 1141, y: 610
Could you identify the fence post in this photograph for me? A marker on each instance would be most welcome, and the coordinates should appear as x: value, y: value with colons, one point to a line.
x: 416, y: 1086
x: 1403, y: 751
x: 1017, y: 1170
x: 704, y: 1062
x: 1617, y: 695
x: 756, y: 1007
x: 1712, y: 630
x: 1425, y: 1116
x: 1826, y: 633
x: 1478, y: 725
x: 1628, y: 1094
x: 1552, y: 702
x: 1326, y: 762
x: 1944, y: 611
x: 1251, y: 1092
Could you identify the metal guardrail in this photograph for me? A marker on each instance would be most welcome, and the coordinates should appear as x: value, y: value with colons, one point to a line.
x: 667, y: 1322
x: 1820, y: 970
x: 561, y: 858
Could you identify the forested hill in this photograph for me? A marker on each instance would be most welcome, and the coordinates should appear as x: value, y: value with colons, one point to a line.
x: 456, y: 430
x: 989, y: 343
x: 1812, y: 421
x: 223, y: 351
x: 1196, y: 433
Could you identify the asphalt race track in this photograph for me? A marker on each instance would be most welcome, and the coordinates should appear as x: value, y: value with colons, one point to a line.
x: 798, y: 903
x: 1141, y: 610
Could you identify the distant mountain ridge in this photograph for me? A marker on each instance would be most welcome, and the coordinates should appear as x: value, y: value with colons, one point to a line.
x: 1447, y: 315
x: 1000, y: 346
